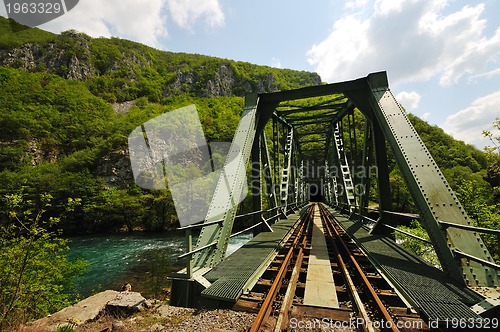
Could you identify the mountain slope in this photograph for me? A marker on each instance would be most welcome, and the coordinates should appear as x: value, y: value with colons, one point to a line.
x: 121, y: 70
x: 69, y: 101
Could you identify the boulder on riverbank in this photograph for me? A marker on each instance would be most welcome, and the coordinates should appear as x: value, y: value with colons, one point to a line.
x: 119, y: 304
x: 126, y: 304
x: 79, y: 313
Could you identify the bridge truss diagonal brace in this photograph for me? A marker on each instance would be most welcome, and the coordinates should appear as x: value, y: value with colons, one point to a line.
x: 229, y: 190
x: 431, y: 192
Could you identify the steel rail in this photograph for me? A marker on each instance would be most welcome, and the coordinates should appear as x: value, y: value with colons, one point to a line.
x: 265, y: 309
x: 347, y: 278
x: 290, y: 291
x: 371, y: 291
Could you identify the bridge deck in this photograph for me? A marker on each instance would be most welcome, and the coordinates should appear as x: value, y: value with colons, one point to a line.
x: 425, y: 286
x: 320, y: 286
x: 240, y: 270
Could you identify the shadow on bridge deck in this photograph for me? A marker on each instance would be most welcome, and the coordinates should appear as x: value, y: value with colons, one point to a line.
x: 239, y: 271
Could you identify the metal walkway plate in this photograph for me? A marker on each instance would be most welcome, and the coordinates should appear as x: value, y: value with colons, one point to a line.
x: 240, y: 270
x: 425, y: 286
x: 320, y: 288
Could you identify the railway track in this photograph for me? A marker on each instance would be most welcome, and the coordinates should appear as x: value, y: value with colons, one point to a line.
x: 295, y: 294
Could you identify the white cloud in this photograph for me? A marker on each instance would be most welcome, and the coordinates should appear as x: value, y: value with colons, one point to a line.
x: 487, y: 75
x: 414, y: 40
x: 355, y: 4
x: 468, y: 124
x: 276, y: 63
x: 186, y: 12
x: 334, y: 56
x: 144, y: 21
x: 425, y: 116
x: 386, y: 7
x: 409, y: 100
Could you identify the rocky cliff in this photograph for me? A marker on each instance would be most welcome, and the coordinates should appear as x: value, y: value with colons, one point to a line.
x: 53, y: 57
x: 111, y: 66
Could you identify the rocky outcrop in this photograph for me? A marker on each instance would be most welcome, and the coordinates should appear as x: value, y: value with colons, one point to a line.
x: 183, y: 82
x: 123, y: 107
x: 223, y: 82
x: 72, y: 60
x: 93, y: 314
x: 131, y: 67
x: 39, y: 154
x: 52, y: 57
x: 115, y: 169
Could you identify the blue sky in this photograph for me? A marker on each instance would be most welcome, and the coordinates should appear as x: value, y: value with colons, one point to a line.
x: 442, y: 56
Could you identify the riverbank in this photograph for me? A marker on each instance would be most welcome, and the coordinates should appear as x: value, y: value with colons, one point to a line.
x: 129, y: 311
x: 169, y: 318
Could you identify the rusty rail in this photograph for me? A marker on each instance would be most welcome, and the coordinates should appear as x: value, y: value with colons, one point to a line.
x: 366, y: 283
x: 265, y: 309
x: 361, y: 311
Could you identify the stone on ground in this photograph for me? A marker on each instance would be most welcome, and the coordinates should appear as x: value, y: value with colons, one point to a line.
x: 79, y: 313
x: 127, y: 303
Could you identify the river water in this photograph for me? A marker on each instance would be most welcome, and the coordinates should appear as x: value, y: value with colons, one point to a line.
x: 142, y: 259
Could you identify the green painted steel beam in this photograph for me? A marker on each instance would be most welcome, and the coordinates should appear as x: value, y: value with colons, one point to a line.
x: 314, y: 122
x: 310, y: 115
x: 313, y: 140
x: 229, y: 189
x: 317, y: 117
x: 267, y: 169
x: 282, y: 110
x: 331, y: 105
x: 308, y: 133
x: 383, y: 183
x: 366, y: 163
x: 430, y: 190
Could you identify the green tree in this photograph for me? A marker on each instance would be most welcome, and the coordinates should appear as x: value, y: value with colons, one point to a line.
x: 494, y: 150
x: 420, y: 248
x: 478, y: 202
x: 493, y: 155
x: 35, y: 271
x: 124, y: 207
x: 401, y: 197
x: 161, y: 210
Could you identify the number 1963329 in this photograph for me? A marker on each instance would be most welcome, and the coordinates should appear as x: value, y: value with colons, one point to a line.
x: 34, y: 8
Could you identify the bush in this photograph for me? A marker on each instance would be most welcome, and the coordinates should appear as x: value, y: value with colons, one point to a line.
x: 34, y: 267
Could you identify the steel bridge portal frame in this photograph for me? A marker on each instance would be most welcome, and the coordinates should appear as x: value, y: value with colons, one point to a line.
x: 461, y: 252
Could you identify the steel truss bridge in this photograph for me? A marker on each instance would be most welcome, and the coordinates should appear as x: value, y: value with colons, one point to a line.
x: 329, y: 143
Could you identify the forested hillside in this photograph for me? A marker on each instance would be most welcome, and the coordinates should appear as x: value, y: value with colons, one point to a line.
x: 68, y: 103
